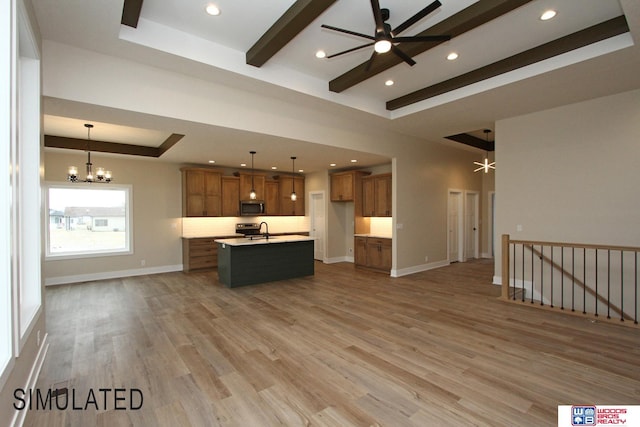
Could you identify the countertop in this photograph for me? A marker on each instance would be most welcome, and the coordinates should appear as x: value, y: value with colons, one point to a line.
x: 377, y: 236
x: 244, y: 241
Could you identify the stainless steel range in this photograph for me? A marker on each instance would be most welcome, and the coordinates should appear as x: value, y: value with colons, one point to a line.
x: 248, y: 229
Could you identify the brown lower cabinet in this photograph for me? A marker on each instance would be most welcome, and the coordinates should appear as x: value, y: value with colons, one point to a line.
x: 199, y: 253
x: 373, y: 252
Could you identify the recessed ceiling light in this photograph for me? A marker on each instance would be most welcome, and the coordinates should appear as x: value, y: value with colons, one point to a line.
x: 548, y: 15
x: 332, y: 164
x: 452, y: 56
x: 389, y: 82
x: 300, y: 170
x: 321, y: 54
x: 354, y: 161
x: 212, y: 161
x: 243, y: 164
x: 274, y: 167
x: 212, y: 10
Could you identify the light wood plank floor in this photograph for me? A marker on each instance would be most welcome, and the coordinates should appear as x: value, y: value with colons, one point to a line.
x: 344, y: 348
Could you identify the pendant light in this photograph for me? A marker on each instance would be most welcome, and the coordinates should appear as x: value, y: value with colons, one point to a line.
x: 102, y: 176
x: 252, y: 193
x: 293, y: 179
x: 486, y: 165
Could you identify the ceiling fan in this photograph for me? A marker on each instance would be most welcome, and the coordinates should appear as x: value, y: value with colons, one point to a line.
x: 385, y: 38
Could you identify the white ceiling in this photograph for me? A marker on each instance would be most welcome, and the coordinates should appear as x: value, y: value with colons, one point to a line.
x: 165, y: 25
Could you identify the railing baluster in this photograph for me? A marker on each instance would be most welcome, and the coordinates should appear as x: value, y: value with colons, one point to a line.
x: 532, y: 275
x: 551, y: 276
x: 584, y: 280
x: 622, y: 286
x: 562, y: 278
x: 596, y: 295
x: 608, y: 284
x: 514, y: 272
x: 522, y: 276
x: 635, y: 309
x: 541, y: 275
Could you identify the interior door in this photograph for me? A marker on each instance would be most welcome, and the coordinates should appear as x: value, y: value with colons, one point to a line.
x: 471, y: 225
x: 455, y: 234
x: 317, y: 223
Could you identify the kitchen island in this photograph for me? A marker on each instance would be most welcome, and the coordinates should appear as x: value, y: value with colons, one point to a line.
x: 248, y: 261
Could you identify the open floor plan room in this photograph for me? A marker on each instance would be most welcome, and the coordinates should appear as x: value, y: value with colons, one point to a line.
x: 346, y: 347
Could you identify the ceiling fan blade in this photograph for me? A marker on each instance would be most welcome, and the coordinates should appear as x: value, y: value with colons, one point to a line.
x: 377, y: 15
x: 421, y: 39
x: 406, y: 58
x: 353, y: 33
x: 349, y: 50
x: 370, y: 61
x: 415, y: 18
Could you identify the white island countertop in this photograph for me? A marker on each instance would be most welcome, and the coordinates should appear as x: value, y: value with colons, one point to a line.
x: 244, y: 241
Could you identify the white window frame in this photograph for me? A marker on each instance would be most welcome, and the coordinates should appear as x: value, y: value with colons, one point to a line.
x: 128, y: 250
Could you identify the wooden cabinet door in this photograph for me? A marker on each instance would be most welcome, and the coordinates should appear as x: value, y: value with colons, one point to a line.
x: 230, y: 196
x: 272, y: 199
x: 288, y: 206
x: 212, y: 194
x: 360, y: 257
x: 382, y: 195
x: 258, y: 185
x: 368, y: 197
x: 342, y: 187
x: 385, y: 254
x: 201, y: 193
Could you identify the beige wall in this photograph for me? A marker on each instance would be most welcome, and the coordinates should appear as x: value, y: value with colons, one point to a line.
x: 157, y: 212
x: 570, y: 174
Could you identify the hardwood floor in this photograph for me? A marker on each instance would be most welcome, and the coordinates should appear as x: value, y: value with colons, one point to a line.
x: 346, y: 347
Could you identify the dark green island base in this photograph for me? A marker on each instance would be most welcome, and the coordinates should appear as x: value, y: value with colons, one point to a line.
x: 248, y: 264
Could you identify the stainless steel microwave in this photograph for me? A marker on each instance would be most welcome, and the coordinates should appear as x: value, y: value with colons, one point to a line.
x: 251, y: 207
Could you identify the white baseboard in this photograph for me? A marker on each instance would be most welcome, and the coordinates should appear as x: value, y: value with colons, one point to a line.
x: 418, y: 268
x: 63, y: 280
x: 19, y: 416
x: 338, y: 259
x: 497, y: 280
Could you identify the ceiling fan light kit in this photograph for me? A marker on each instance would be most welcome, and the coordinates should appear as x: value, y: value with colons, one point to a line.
x: 485, y: 166
x: 386, y: 39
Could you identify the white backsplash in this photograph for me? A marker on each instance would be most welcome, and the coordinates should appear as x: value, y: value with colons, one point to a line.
x: 226, y: 226
x: 381, y: 227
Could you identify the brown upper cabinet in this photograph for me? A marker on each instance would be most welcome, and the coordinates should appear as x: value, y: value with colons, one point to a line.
x: 288, y: 206
x: 230, y: 196
x: 249, y: 179
x: 345, y: 185
x: 376, y: 195
x: 272, y: 197
x: 201, y: 192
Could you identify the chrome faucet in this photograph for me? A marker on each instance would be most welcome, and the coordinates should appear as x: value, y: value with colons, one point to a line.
x: 266, y: 235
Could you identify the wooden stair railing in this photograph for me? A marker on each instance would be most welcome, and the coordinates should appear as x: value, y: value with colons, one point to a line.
x: 508, y: 291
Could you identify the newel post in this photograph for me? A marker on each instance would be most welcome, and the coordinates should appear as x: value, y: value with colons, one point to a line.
x: 505, y: 266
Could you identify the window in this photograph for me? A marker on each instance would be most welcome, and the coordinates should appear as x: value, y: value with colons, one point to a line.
x: 88, y: 220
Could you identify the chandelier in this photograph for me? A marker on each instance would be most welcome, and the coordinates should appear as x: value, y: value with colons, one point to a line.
x: 486, y: 165
x: 101, y: 175
x: 294, y: 197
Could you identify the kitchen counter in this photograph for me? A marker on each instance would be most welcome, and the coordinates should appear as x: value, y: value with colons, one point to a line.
x: 243, y: 261
x: 259, y: 240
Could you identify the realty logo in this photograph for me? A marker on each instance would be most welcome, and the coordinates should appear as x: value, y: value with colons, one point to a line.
x: 583, y: 415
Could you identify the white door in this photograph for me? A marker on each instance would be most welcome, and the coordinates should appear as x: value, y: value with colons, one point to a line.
x: 317, y: 223
x: 471, y: 225
x: 455, y: 225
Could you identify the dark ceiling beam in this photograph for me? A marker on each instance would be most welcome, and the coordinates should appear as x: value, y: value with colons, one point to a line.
x: 473, y: 141
x: 596, y: 33
x: 473, y: 16
x: 294, y: 20
x: 111, y: 147
x: 131, y: 13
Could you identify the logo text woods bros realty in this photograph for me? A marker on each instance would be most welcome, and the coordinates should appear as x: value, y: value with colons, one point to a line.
x: 119, y: 399
x: 598, y: 415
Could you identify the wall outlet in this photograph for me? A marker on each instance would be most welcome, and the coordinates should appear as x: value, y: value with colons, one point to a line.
x: 38, y: 338
x: 350, y: 250
x: 143, y: 262
x: 426, y: 258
